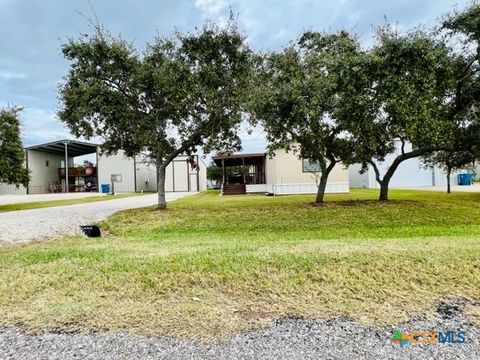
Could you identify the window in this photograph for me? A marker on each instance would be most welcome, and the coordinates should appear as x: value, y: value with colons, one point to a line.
x: 310, y: 166
x: 46, y: 163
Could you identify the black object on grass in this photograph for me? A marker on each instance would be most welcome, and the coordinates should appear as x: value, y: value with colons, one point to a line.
x: 91, y: 230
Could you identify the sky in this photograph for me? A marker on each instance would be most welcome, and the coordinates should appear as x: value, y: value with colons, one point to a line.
x: 32, y: 31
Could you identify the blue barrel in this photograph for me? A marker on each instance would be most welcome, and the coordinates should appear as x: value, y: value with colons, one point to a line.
x: 105, y: 188
x: 465, y: 179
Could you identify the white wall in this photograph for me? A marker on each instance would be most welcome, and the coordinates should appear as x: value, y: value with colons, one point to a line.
x: 42, y: 175
x: 410, y: 173
x: 116, y: 164
x: 284, y: 175
x: 180, y: 176
x: 177, y: 176
x: 8, y: 189
x: 358, y: 180
x: 146, y: 175
x: 202, y: 175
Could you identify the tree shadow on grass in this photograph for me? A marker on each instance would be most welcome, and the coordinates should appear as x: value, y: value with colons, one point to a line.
x: 363, y: 202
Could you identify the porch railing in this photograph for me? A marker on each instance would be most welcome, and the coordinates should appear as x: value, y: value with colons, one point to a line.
x: 255, y: 178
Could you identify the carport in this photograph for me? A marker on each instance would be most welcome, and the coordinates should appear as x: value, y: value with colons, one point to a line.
x: 52, y: 169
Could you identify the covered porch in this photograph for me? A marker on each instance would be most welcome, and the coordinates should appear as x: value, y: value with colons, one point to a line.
x: 248, y: 169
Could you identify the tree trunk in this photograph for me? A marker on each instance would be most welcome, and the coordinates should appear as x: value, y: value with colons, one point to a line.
x: 323, y: 181
x: 162, y: 203
x: 321, y: 189
x: 384, y: 190
x: 449, y: 171
x: 393, y: 167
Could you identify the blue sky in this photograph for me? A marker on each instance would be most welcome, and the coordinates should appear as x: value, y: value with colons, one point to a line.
x: 31, y: 32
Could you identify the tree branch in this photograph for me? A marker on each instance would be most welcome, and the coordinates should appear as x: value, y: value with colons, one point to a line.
x: 376, y: 170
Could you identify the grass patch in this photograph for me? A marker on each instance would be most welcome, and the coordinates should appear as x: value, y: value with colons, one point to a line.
x: 211, y: 265
x: 51, y: 203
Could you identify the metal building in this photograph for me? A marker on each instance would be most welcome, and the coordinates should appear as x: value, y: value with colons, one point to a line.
x: 48, y: 173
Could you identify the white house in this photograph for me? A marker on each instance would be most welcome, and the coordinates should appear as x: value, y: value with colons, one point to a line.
x: 284, y: 173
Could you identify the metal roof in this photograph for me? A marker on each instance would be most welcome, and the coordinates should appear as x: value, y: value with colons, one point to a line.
x: 239, y: 159
x: 74, y: 147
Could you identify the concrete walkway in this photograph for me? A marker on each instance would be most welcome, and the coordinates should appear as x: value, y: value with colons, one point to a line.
x: 23, y: 226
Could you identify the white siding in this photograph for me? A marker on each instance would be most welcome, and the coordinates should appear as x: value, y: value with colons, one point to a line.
x: 42, y: 175
x: 308, y: 188
x: 358, y: 180
x: 284, y: 175
x: 116, y: 164
x: 178, y: 177
x: 180, y: 174
x: 146, y: 174
x: 181, y: 177
x: 8, y: 189
x: 258, y: 188
x: 409, y: 172
x: 202, y: 175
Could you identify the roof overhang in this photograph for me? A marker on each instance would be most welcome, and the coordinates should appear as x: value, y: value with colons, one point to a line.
x: 74, y: 148
x: 239, y: 159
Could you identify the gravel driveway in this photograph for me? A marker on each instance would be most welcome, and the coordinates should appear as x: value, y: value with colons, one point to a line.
x: 36, y: 224
x: 18, y: 199
x: 287, y: 339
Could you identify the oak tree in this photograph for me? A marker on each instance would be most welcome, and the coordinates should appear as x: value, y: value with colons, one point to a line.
x: 296, y: 96
x: 396, y: 99
x: 180, y: 94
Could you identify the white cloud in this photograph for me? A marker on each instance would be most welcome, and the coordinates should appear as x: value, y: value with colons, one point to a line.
x: 212, y: 7
x: 46, y: 135
x: 281, y: 34
x: 8, y: 75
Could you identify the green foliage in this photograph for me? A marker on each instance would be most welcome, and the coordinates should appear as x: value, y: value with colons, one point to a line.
x: 214, y: 173
x: 460, y: 152
x: 12, y: 157
x: 407, y: 82
x: 466, y: 22
x: 450, y: 160
x: 400, y: 92
x: 183, y: 92
x: 463, y: 29
x: 296, y: 98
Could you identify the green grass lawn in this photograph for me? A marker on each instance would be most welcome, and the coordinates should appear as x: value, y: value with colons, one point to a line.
x: 50, y: 203
x: 211, y: 265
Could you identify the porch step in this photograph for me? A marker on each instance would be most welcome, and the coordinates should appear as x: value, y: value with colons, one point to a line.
x: 234, y: 189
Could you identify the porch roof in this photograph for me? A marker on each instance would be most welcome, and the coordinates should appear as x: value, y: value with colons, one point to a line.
x: 239, y: 159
